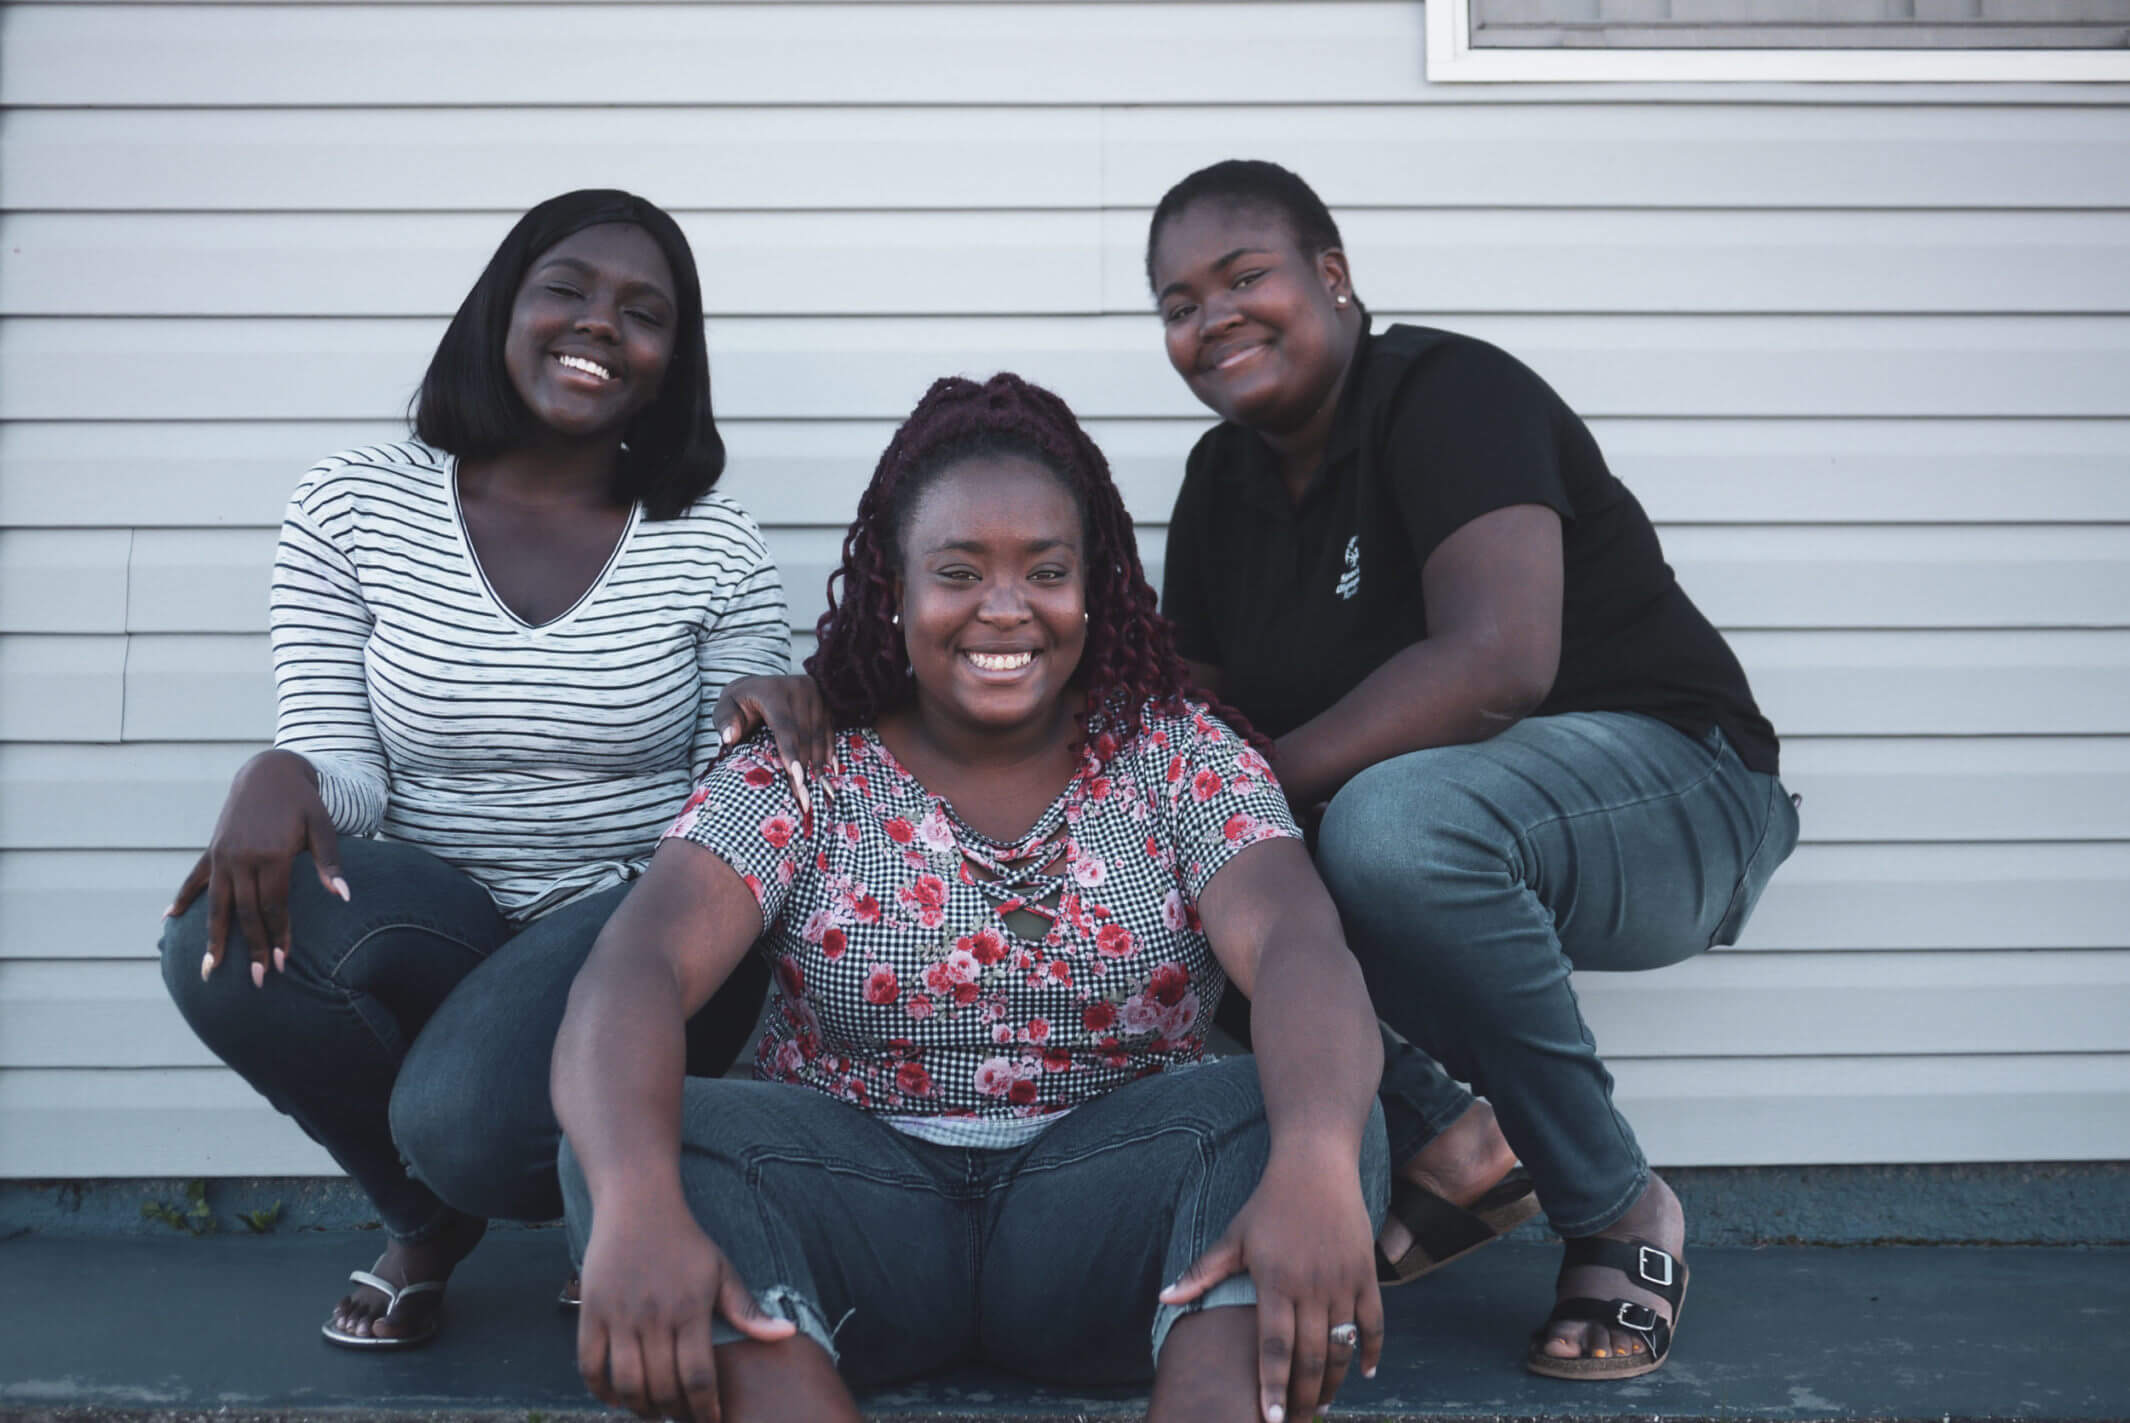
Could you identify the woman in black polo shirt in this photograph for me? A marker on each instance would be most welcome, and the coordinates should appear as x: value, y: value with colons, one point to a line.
x: 1402, y: 556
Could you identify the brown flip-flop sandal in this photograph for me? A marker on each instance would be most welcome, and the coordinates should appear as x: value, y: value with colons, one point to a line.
x: 1443, y: 1232
x: 1658, y: 1271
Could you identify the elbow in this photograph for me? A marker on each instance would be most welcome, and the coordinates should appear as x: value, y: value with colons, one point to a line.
x: 1516, y: 684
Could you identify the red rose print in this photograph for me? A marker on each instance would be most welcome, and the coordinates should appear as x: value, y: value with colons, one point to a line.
x: 899, y: 830
x: 833, y: 944
x: 790, y: 978
x: 1175, y: 772
x: 1097, y: 1017
x: 1168, y: 984
x: 913, y: 1081
x: 987, y: 946
x: 759, y: 776
x: 881, y: 985
x: 918, y: 1006
x: 1098, y: 788
x: 1237, y: 827
x: 966, y: 992
x: 1037, y: 1031
x: 1056, y: 1059
x: 1114, y: 940
x: 1206, y: 784
x: 926, y: 898
x: 1022, y: 1092
x: 1061, y: 970
x: 865, y: 909
x: 778, y: 830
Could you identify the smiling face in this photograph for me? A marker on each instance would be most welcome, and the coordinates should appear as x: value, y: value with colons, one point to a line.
x: 591, y: 331
x: 1253, y: 324
x: 992, y: 594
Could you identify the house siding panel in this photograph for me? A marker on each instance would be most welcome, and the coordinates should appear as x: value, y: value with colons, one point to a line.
x: 1864, y: 353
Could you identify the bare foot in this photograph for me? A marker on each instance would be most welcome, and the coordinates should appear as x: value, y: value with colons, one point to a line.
x: 1462, y: 1164
x: 1656, y: 1217
x: 362, y: 1313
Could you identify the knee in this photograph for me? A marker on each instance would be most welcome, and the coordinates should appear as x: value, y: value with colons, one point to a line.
x: 484, y: 1146
x: 204, y: 1002
x: 1403, y: 833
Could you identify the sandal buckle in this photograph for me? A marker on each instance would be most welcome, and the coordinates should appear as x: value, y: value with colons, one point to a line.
x: 1638, y: 1317
x: 1661, y: 1275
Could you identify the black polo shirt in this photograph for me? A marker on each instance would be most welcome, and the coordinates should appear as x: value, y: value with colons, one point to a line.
x: 1297, y: 602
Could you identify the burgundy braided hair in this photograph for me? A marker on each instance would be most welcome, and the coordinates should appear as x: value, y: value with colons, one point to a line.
x: 861, y: 663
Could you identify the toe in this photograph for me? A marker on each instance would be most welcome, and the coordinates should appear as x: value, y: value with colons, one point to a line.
x: 1566, y: 1340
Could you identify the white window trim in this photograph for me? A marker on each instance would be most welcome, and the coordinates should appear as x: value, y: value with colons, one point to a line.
x: 1451, y: 59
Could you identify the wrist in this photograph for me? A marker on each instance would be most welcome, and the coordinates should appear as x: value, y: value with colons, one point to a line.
x: 1315, y: 1148
x: 281, y: 758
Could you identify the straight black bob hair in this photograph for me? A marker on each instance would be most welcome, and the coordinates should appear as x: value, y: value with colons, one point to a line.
x: 671, y: 454
x: 1249, y: 182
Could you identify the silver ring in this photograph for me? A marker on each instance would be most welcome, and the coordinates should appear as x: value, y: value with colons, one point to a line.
x: 1347, y: 1335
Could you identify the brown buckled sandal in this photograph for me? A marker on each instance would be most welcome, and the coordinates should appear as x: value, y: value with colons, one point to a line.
x: 1443, y: 1232
x: 1657, y: 1271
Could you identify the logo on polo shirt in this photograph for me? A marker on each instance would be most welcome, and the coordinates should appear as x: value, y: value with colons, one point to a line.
x: 1350, y: 580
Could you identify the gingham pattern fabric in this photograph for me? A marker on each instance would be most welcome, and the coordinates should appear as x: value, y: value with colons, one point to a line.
x: 900, y: 984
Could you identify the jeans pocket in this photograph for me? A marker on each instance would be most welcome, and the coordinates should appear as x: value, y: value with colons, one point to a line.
x: 1778, y: 837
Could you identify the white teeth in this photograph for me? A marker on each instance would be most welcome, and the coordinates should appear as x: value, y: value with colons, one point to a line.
x: 578, y: 363
x: 1002, y: 661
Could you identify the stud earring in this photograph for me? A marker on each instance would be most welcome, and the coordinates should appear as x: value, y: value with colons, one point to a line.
x: 1341, y: 301
x: 896, y: 619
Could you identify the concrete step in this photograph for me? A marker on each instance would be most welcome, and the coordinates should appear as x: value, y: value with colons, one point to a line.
x: 227, y: 1327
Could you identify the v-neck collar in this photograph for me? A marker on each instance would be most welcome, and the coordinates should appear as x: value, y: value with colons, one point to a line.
x: 510, y: 614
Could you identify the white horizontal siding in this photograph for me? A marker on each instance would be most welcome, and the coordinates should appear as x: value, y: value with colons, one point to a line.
x: 349, y: 368
x: 1863, y: 353
x: 148, y: 474
x: 1744, y: 577
x: 1069, y: 263
x: 70, y: 1122
x: 217, y: 687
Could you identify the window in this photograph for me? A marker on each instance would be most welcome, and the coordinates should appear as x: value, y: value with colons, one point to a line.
x: 1779, y: 40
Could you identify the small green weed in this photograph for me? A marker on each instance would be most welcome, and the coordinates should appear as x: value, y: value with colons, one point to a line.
x: 197, y: 1217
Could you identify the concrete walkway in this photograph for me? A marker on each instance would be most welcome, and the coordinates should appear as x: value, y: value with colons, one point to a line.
x: 228, y: 1327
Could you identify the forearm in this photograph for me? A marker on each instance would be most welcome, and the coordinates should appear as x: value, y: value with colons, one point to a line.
x: 1433, y: 693
x: 1319, y: 1054
x: 619, y: 1064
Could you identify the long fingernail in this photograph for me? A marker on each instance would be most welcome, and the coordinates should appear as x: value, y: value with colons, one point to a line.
x: 340, y: 887
x: 206, y: 965
x: 1274, y: 1413
x: 171, y: 912
x: 258, y: 973
x: 1368, y: 1373
x: 729, y: 735
x: 280, y: 960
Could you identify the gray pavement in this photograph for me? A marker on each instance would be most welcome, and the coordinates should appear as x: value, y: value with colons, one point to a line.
x: 227, y: 1327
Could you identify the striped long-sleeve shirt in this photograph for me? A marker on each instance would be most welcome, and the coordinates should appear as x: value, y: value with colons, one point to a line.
x: 543, y: 761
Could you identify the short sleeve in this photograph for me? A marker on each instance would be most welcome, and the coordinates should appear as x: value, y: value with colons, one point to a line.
x: 1185, y: 597
x: 1473, y: 430
x: 746, y: 814
x: 1222, y: 797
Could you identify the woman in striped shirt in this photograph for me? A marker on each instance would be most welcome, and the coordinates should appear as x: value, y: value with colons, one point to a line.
x: 500, y: 650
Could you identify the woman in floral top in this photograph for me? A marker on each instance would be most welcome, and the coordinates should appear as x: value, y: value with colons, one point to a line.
x: 999, y: 928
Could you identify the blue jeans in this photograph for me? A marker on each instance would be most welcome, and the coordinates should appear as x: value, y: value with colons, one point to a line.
x: 1472, y: 879
x: 411, y: 1034
x: 900, y: 1257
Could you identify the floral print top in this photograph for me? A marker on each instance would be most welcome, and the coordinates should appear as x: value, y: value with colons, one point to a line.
x: 924, y: 970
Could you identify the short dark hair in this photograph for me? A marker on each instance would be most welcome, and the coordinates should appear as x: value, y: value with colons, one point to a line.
x: 672, y: 454
x: 1254, y: 182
